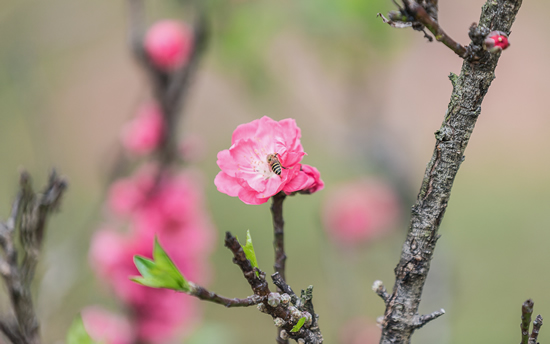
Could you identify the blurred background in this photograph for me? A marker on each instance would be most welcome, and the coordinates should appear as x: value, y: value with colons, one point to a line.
x: 368, y: 99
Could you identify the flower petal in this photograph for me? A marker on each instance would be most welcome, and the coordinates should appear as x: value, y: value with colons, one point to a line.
x: 227, y: 184
x: 249, y: 196
x: 245, y: 131
x: 299, y: 182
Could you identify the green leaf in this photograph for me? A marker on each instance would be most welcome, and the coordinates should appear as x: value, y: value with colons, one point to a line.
x: 160, y: 272
x: 77, y: 333
x: 248, y: 249
x: 299, y: 325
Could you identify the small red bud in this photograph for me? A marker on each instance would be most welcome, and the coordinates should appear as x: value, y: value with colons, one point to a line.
x: 496, y: 41
x: 168, y: 44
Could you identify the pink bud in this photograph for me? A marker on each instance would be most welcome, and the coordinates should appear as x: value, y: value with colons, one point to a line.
x: 144, y: 133
x: 496, y: 41
x: 168, y: 44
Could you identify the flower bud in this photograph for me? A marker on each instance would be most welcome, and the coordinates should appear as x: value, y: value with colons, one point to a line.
x: 309, y: 319
x: 296, y: 314
x: 279, y: 322
x: 274, y: 299
x: 285, y: 299
x: 261, y: 307
x: 496, y: 41
x: 283, y: 335
x: 168, y: 44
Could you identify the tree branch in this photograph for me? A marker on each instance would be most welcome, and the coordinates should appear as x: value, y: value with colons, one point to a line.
x: 169, y: 88
x: 31, y: 210
x: 536, y: 328
x: 526, y: 311
x: 204, y: 294
x: 452, y: 138
x: 282, y: 309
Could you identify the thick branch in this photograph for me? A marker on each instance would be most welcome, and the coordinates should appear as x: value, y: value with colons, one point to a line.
x: 452, y: 138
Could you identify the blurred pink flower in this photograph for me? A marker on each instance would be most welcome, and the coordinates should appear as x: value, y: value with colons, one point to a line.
x: 360, y: 331
x: 193, y: 148
x: 245, y: 171
x: 359, y: 211
x: 106, y: 327
x: 144, y: 133
x: 168, y: 44
x: 173, y: 212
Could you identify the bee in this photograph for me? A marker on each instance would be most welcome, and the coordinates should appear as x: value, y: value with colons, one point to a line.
x: 274, y: 163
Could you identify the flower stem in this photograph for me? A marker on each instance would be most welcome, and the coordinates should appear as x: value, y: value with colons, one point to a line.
x: 279, y: 244
x: 279, y: 233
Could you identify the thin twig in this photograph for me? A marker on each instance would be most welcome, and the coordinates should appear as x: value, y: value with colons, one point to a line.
x: 424, y: 319
x: 206, y: 295
x: 452, y: 138
x: 526, y: 311
x: 380, y: 290
x: 420, y: 14
x: 536, y: 329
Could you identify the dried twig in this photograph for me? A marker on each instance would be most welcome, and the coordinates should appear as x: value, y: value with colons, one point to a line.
x: 452, y: 138
x: 30, y: 212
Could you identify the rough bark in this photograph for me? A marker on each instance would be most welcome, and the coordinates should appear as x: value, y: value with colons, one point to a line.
x: 401, y: 317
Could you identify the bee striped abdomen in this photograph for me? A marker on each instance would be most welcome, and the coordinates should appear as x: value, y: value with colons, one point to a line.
x: 274, y: 164
x: 276, y: 168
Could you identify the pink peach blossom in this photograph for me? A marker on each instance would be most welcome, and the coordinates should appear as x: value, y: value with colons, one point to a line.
x: 359, y: 211
x: 145, y: 132
x: 245, y: 171
x: 168, y: 44
x: 158, y: 314
x: 171, y: 209
x: 106, y: 327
